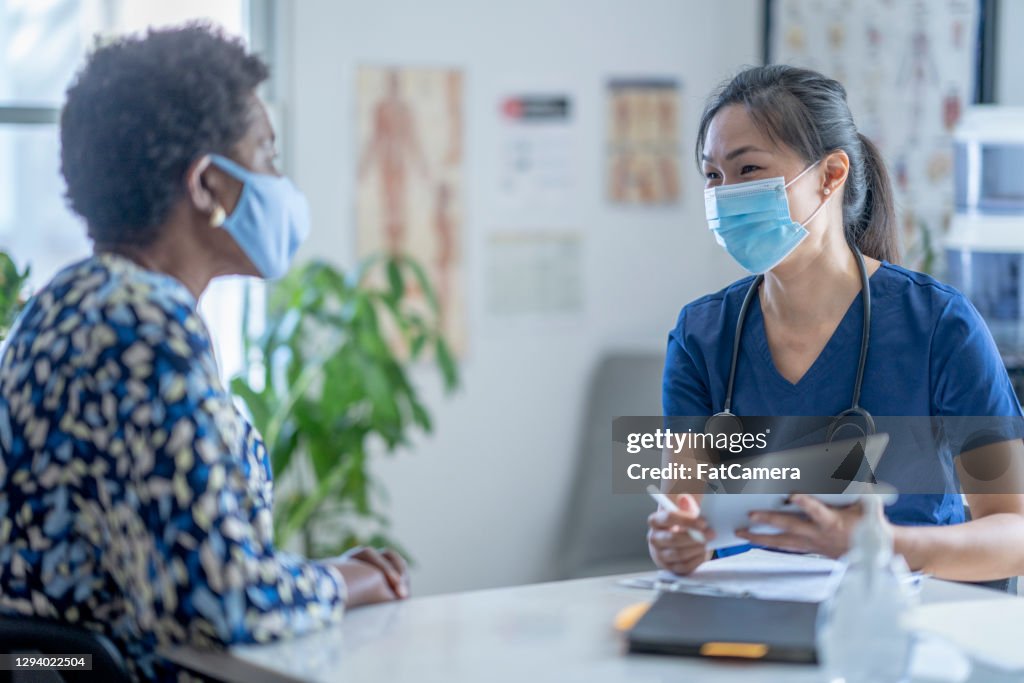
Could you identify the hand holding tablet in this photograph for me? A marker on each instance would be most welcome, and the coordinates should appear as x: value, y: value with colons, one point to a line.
x: 728, y: 505
x: 726, y: 514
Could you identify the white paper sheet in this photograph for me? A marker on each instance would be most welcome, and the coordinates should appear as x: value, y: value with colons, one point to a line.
x: 758, y: 573
x: 538, y: 161
x: 539, y: 273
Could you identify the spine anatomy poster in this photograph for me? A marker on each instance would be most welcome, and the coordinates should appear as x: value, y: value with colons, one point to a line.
x: 643, y: 141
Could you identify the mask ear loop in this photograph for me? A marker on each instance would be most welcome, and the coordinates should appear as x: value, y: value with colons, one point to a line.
x: 801, y: 174
x: 821, y: 206
x: 816, y: 212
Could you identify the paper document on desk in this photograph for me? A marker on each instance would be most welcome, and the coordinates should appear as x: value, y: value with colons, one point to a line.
x: 756, y: 573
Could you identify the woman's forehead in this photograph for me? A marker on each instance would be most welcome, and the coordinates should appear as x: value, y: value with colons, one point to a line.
x: 258, y: 130
x: 731, y: 130
x: 258, y: 119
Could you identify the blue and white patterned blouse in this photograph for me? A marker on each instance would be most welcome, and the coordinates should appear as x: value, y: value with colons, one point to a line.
x: 134, y: 497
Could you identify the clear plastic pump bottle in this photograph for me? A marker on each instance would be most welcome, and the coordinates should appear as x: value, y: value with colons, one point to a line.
x: 861, y: 637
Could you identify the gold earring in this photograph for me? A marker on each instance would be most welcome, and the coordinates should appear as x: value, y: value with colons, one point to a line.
x: 218, y: 216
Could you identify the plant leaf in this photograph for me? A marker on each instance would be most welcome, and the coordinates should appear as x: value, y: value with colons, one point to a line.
x: 447, y: 364
x: 424, y: 283
x: 395, y: 280
x: 334, y: 357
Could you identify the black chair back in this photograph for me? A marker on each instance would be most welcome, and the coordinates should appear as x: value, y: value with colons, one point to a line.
x: 21, y: 634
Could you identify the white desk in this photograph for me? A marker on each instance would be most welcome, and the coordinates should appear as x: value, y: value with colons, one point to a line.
x: 544, y: 632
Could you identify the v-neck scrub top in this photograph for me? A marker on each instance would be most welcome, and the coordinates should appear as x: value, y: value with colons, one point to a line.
x: 930, y: 354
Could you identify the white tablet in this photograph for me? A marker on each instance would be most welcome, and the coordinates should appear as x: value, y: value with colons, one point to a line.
x: 727, y: 507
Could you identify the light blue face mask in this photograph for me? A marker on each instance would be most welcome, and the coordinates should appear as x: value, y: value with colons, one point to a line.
x: 752, y: 222
x: 270, y: 220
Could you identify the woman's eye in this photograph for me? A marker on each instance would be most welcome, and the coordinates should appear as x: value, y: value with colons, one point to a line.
x: 711, y: 175
x: 749, y: 168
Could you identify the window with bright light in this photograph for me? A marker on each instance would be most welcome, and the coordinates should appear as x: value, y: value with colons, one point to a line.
x: 42, y: 43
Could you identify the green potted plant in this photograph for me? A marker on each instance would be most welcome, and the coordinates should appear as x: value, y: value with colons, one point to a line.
x: 12, y: 291
x: 328, y: 382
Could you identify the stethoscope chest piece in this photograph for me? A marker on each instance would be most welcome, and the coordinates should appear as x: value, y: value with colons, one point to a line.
x: 724, y: 423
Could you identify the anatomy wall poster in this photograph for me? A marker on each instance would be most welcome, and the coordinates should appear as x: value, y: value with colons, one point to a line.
x: 409, y: 184
x: 909, y: 68
x: 643, y: 141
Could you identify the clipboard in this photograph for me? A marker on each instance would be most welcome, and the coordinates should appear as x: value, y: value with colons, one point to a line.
x: 734, y: 628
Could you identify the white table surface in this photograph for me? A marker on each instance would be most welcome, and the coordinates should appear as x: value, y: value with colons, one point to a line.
x: 559, y: 631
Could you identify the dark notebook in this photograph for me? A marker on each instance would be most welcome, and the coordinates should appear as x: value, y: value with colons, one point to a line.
x: 703, y: 626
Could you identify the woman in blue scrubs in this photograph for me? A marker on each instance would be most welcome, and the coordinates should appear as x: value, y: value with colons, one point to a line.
x: 800, y: 198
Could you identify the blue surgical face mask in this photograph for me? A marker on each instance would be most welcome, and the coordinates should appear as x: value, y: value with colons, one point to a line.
x: 270, y: 220
x: 752, y: 222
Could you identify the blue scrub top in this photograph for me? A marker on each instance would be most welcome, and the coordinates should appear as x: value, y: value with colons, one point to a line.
x: 930, y: 354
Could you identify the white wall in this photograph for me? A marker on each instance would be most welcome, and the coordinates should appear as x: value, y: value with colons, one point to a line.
x: 480, y: 503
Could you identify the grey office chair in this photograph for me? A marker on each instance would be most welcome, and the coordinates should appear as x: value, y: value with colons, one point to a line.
x: 605, y: 533
x: 20, y: 634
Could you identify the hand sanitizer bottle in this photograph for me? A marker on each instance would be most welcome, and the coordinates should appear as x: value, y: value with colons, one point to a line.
x: 861, y: 638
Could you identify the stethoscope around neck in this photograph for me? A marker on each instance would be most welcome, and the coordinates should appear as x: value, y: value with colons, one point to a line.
x: 728, y: 422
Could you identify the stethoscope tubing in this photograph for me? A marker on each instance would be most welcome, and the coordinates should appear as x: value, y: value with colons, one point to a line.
x: 865, y: 338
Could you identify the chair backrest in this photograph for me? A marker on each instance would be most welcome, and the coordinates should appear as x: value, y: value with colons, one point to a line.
x: 604, y: 532
x: 1001, y: 585
x: 49, y: 637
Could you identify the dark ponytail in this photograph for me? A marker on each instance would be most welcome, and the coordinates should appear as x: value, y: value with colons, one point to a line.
x: 808, y: 112
x: 875, y: 233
